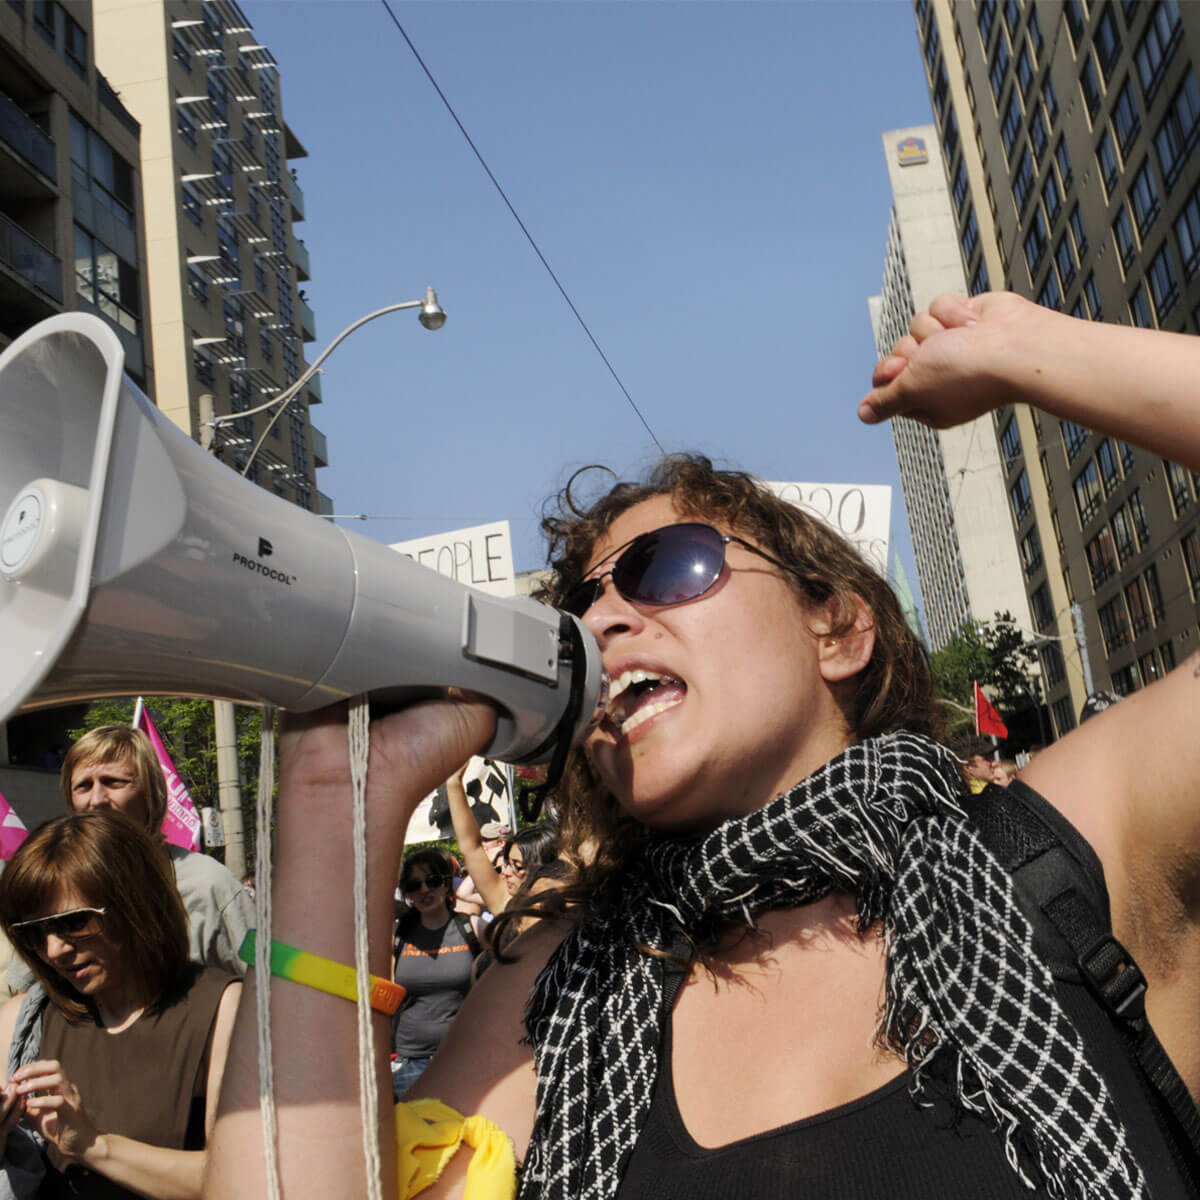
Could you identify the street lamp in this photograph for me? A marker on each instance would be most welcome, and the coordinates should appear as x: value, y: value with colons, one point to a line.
x: 431, y: 316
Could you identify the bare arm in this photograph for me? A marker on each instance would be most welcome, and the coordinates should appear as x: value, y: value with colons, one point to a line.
x: 966, y: 357
x: 485, y: 877
x: 1129, y: 780
x: 314, y: 1034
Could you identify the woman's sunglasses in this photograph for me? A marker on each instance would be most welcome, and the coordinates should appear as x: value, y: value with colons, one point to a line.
x: 430, y: 882
x: 666, y: 566
x: 75, y: 926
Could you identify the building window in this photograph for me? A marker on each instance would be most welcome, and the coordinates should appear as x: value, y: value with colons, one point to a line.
x: 1138, y: 514
x: 1064, y: 163
x: 1092, y: 293
x: 1123, y: 236
x: 1031, y: 551
x: 1021, y: 497
x: 181, y: 52
x: 1126, y: 451
x: 986, y: 15
x: 203, y: 368
x: 1110, y: 471
x: 1157, y: 45
x: 1089, y: 85
x: 1034, y: 29
x: 98, y: 169
x: 1125, y: 118
x: 1167, y: 653
x: 197, y: 285
x: 979, y: 280
x: 1065, y: 261
x: 1051, y: 294
x: 1060, y: 710
x: 1052, y: 197
x: 1053, y: 665
x: 1010, y: 442
x: 1035, y: 242
x: 1179, y: 485
x: 960, y: 187
x: 1122, y: 533
x: 1143, y: 196
x: 1177, y: 135
x: 970, y: 236
x: 1011, y: 124
x: 1154, y: 592
x: 222, y: 162
x: 1039, y: 135
x: 1074, y: 439
x: 1110, y: 169
x: 1187, y: 230
x: 1114, y: 624
x: 1139, y: 309
x: 1191, y: 561
x: 1125, y: 680
x: 1107, y: 43
x: 235, y: 326
x: 1076, y: 21
x: 107, y: 281
x: 1086, y: 487
x: 1164, y: 289
x: 185, y: 126
x: 1101, y: 558
x: 1022, y: 180
x: 1025, y: 71
x: 1150, y: 668
x: 193, y: 205
x: 999, y: 66
x: 1041, y: 608
x: 941, y: 89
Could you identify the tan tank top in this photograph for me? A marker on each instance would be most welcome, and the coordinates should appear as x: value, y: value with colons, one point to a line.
x: 140, y: 1082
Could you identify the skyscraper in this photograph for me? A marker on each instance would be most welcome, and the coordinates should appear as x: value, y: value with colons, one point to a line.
x: 223, y: 260
x: 952, y: 479
x: 1069, y: 134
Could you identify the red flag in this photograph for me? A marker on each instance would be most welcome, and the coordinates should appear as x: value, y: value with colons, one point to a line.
x: 987, y: 719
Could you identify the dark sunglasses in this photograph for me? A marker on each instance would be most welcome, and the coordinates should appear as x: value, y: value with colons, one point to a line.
x: 665, y: 566
x: 430, y: 882
x: 74, y: 926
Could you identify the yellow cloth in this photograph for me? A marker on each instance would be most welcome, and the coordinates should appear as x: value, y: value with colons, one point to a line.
x: 429, y: 1133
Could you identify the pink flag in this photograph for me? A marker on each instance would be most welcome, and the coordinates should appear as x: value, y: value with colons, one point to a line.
x: 181, y: 826
x: 12, y: 829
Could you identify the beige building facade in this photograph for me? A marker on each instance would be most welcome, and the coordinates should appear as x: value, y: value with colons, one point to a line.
x: 952, y: 479
x: 224, y: 263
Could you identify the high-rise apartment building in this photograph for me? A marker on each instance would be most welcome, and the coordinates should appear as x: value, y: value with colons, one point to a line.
x: 952, y: 479
x: 71, y: 234
x: 224, y: 264
x: 1070, y: 134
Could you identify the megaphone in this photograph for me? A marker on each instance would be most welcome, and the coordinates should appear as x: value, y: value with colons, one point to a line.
x: 132, y: 561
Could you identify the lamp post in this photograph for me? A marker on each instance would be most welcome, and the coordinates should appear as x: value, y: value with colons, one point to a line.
x: 431, y: 316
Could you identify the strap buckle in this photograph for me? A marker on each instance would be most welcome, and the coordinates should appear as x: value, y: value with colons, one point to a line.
x: 1117, y: 980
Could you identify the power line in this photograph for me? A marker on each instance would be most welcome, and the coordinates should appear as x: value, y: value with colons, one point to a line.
x: 516, y: 217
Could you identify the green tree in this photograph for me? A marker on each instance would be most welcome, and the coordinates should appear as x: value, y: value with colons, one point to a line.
x: 186, y: 727
x: 998, y: 655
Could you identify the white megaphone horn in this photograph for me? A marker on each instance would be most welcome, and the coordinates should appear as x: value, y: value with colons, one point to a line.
x: 132, y: 561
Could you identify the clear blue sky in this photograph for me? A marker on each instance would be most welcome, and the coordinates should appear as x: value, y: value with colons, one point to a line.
x: 707, y: 180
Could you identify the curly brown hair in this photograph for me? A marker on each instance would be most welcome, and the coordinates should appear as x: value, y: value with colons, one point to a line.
x: 894, y: 691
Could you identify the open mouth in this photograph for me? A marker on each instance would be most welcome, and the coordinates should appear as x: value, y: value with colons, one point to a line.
x: 637, y: 695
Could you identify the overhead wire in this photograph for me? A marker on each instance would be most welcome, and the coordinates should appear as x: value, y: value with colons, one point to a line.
x: 521, y: 224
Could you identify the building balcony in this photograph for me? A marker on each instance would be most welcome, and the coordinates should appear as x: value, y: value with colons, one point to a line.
x: 296, y: 196
x: 314, y: 388
x: 25, y: 255
x: 320, y: 448
x: 22, y: 134
x: 308, y: 323
x: 300, y: 257
x: 324, y: 505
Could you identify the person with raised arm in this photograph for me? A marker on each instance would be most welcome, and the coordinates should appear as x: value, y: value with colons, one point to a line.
x: 795, y: 957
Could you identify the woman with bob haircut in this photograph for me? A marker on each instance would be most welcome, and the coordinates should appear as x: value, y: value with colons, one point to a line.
x: 116, y: 1054
x: 789, y: 964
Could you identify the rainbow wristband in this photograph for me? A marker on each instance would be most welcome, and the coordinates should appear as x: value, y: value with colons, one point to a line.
x: 323, y: 974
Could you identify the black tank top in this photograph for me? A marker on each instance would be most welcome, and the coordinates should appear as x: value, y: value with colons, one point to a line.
x: 882, y: 1146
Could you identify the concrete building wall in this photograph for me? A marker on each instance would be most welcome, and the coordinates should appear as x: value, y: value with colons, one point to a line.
x: 952, y: 479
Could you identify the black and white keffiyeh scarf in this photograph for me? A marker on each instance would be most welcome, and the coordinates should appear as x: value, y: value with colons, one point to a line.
x: 963, y: 987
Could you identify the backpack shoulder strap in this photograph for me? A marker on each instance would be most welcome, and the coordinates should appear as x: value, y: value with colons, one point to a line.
x: 468, y: 933
x: 1058, y: 873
